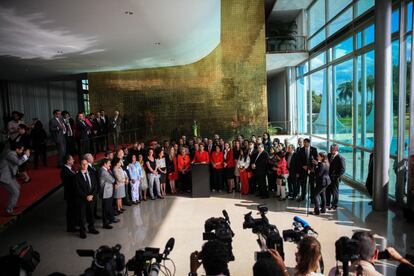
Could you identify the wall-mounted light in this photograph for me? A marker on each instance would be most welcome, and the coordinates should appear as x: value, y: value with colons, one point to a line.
x: 129, y: 12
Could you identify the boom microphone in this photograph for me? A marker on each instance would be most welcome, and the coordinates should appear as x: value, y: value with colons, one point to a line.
x: 85, y: 253
x: 226, y: 216
x: 169, y: 247
x: 304, y: 224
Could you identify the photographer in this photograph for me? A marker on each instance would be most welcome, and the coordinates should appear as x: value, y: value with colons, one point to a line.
x: 214, y: 258
x: 307, y: 258
x: 368, y: 254
x: 270, y: 266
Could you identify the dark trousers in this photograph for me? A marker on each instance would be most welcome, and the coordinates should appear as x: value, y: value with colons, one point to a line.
x: 86, y: 215
x: 107, y: 211
x: 72, y: 214
x: 319, y: 198
x: 61, y: 149
x: 293, y: 191
x: 252, y: 184
x: 70, y: 145
x: 39, y: 151
x: 185, y: 181
x: 332, y: 193
x: 127, y: 198
x: 271, y: 178
x: 217, y: 179
x: 261, y: 184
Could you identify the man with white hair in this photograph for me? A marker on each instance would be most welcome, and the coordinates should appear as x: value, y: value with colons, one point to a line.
x: 92, y: 170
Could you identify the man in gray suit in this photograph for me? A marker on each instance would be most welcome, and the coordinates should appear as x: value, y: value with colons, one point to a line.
x: 57, y: 130
x: 8, y: 172
x: 106, y: 183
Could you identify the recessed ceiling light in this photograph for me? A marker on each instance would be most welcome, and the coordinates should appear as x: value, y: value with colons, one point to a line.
x: 60, y: 52
x: 157, y: 43
x: 129, y: 12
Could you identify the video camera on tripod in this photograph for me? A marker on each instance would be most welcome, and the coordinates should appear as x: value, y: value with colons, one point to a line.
x: 268, y: 235
x: 109, y: 261
x: 219, y: 229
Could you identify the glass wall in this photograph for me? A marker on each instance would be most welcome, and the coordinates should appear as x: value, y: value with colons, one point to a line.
x: 338, y: 88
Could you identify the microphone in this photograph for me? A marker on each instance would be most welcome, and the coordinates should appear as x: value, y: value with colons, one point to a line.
x: 169, y: 247
x: 85, y: 252
x: 304, y: 224
x: 226, y: 216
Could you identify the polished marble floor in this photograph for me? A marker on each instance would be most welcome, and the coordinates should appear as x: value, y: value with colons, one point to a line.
x: 154, y: 222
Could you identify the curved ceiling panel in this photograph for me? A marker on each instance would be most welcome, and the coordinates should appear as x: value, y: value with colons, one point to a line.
x: 47, y: 38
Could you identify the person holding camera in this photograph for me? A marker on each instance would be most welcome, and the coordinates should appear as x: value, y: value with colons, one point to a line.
x: 322, y: 182
x: 308, y: 258
x: 367, y: 253
x: 8, y: 172
x: 213, y: 257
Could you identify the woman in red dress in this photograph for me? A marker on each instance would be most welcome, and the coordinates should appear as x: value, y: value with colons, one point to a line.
x: 243, y: 164
x: 183, y: 164
x: 201, y: 156
x: 171, y: 161
x: 217, y: 162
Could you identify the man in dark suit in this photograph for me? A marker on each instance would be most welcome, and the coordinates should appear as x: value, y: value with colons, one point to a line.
x: 70, y: 138
x: 115, y: 127
x: 259, y: 166
x: 92, y: 170
x: 68, y: 177
x: 336, y: 170
x: 86, y: 185
x: 57, y: 129
x: 291, y: 159
x: 104, y: 128
x: 306, y: 155
x: 84, y: 134
x: 252, y: 152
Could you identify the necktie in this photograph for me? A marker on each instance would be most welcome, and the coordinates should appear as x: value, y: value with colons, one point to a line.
x: 307, y: 153
x: 87, y: 180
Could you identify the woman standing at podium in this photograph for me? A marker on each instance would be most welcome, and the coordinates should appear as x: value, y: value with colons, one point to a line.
x: 217, y: 162
x: 201, y: 156
x: 183, y: 162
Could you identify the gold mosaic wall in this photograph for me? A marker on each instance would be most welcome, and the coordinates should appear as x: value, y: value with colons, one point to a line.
x: 225, y: 91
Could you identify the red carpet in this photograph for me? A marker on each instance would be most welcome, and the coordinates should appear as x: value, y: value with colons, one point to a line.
x: 44, y: 181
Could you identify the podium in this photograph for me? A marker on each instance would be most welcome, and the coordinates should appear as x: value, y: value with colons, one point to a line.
x: 200, y: 176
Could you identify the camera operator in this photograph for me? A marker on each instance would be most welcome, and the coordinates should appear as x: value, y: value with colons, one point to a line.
x: 308, y: 258
x: 214, y: 258
x: 368, y: 254
x: 270, y: 266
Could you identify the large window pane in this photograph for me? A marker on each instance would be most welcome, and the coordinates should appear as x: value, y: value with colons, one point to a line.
x: 335, y: 6
x: 318, y: 61
x: 395, y: 97
x: 362, y: 164
x: 343, y: 48
x: 302, y: 69
x: 342, y: 102
x: 318, y: 38
x: 348, y: 152
x: 319, y: 103
x: 395, y: 20
x: 302, y: 105
x: 316, y: 16
x: 320, y: 144
x: 409, y: 16
x: 365, y: 100
x: 366, y: 36
x: 407, y: 98
x: 340, y: 22
x: 364, y: 5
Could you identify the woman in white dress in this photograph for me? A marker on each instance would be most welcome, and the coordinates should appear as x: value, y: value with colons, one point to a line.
x: 144, y: 180
x: 135, y: 172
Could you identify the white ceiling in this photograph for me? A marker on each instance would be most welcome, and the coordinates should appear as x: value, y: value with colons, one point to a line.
x: 48, y: 38
x: 277, y: 62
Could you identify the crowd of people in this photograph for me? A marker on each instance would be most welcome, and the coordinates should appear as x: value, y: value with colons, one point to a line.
x: 214, y: 259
